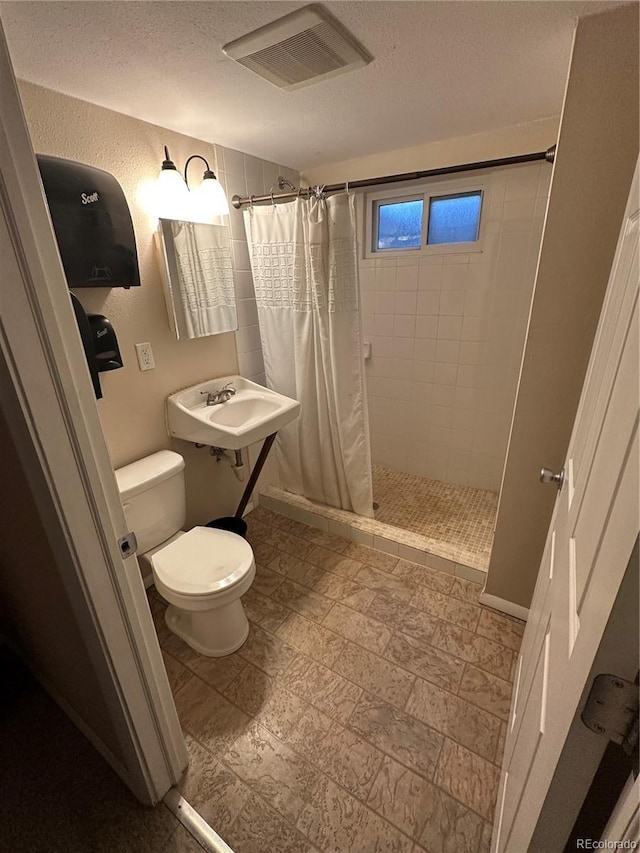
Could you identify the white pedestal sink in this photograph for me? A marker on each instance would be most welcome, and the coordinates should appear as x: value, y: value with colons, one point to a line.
x: 253, y: 413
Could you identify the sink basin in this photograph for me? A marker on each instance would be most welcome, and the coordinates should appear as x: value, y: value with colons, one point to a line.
x: 253, y: 413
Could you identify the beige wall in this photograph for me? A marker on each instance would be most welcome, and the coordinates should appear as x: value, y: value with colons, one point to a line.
x: 597, y: 152
x: 132, y: 408
x: 35, y: 611
x: 503, y: 142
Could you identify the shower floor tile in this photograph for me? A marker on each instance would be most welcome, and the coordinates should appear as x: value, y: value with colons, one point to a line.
x: 361, y: 718
x: 459, y: 516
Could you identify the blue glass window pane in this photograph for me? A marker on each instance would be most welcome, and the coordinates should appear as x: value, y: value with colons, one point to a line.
x: 454, y: 218
x: 400, y: 225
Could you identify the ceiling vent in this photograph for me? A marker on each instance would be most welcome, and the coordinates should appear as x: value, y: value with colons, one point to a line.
x: 304, y: 47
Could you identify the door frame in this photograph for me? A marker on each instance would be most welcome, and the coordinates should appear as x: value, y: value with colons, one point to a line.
x: 48, y: 401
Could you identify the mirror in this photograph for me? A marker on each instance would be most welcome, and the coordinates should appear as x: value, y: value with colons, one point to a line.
x: 197, y: 269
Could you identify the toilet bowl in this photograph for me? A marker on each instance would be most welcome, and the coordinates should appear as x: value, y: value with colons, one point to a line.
x: 201, y: 573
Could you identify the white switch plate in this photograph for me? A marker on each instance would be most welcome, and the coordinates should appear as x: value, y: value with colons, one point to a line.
x: 145, y: 356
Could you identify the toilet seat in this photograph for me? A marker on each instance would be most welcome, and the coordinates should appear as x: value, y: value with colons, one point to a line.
x: 204, y: 561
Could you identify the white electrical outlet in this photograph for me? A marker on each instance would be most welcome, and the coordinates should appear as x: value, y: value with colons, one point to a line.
x: 145, y: 356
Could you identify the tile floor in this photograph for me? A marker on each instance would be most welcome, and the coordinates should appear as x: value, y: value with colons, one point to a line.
x: 366, y: 712
x: 456, y: 515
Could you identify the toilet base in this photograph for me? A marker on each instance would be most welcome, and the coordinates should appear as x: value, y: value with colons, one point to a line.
x: 214, y: 633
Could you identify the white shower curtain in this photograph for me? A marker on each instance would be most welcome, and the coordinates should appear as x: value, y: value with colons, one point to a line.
x: 305, y: 272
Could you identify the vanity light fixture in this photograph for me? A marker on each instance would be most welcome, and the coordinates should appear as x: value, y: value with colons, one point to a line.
x: 175, y: 201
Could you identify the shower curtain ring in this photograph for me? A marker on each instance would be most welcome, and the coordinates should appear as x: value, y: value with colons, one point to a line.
x: 346, y: 186
x: 272, y: 199
x: 251, y: 198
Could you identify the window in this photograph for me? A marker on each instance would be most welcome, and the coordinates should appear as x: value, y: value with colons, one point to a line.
x: 443, y: 218
x: 454, y: 218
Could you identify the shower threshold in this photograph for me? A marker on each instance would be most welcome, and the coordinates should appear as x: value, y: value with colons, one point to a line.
x: 462, y: 555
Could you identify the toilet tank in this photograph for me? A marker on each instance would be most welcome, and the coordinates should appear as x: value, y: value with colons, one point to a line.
x: 153, y: 497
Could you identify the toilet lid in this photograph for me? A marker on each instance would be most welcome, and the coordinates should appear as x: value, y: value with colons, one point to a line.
x: 203, y: 561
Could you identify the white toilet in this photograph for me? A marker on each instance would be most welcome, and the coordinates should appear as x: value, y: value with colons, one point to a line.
x: 201, y: 573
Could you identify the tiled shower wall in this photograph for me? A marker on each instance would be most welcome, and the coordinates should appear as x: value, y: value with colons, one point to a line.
x: 244, y: 175
x: 447, y: 335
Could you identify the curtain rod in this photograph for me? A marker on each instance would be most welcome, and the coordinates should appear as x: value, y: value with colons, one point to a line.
x: 305, y: 192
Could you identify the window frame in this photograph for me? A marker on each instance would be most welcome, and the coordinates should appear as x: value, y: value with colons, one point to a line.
x: 425, y: 191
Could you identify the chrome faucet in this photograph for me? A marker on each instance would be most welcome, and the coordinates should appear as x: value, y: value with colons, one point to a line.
x: 220, y: 395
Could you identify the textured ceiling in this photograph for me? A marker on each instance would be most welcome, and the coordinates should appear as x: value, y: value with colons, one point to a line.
x: 440, y: 70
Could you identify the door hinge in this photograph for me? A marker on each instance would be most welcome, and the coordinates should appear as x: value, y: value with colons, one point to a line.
x: 611, y: 710
x: 128, y: 544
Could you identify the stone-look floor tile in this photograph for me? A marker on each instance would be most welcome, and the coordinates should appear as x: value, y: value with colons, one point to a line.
x: 473, y: 648
x: 256, y: 530
x: 424, y: 576
x: 260, y: 829
x: 501, y: 629
x: 455, y: 717
x: 338, y: 823
x: 273, y: 770
x: 209, y: 717
x: 358, y: 627
x: 376, y: 579
x: 211, y: 788
x: 395, y: 732
x: 401, y: 796
x: 295, y: 528
x: 217, y: 672
x: 303, y: 600
x: 347, y: 592
x: 263, y: 611
x: 265, y: 516
x: 313, y: 640
x: 293, y: 545
x: 425, y: 661
x: 468, y: 778
x: 299, y: 571
x: 322, y: 687
x: 328, y: 540
x: 331, y: 561
x: 486, y: 691
x: 501, y: 744
x: 450, y: 827
x: 485, y: 841
x: 266, y: 580
x: 338, y: 752
x: 266, y: 700
x: 445, y: 607
x: 267, y: 652
x: 284, y: 564
x: 375, y: 674
x: 402, y: 616
x: 466, y: 590
x: 177, y: 673
x: 264, y: 553
x: 377, y: 559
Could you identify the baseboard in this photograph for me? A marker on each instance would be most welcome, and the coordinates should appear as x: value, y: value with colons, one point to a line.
x: 504, y: 606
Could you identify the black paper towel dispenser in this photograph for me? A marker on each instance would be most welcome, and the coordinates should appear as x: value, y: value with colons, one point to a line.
x: 92, y: 224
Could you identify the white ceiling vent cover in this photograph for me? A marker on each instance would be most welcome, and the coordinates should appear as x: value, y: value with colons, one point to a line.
x: 304, y: 47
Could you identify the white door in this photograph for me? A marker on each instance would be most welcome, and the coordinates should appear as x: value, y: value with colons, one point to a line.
x: 590, y: 541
